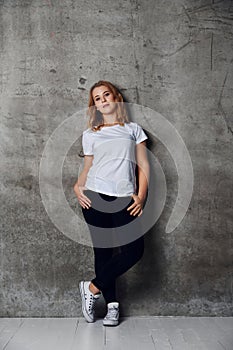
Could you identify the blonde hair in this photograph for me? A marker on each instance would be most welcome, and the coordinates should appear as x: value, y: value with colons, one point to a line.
x: 95, y: 117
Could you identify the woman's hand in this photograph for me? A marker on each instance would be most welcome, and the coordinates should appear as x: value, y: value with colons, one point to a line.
x: 84, y: 201
x: 136, y: 206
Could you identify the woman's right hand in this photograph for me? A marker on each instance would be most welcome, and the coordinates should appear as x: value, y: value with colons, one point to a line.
x: 84, y: 201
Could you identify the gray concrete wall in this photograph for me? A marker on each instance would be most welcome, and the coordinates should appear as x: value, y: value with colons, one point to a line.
x: 175, y: 57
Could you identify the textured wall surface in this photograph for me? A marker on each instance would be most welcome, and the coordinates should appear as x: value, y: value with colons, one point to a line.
x: 176, y: 57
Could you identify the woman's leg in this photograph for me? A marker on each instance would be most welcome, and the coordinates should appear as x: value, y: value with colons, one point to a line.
x: 109, y: 267
x: 128, y: 256
x: 94, y: 219
x: 101, y: 257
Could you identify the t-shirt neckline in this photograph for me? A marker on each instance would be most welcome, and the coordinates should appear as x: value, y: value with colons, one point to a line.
x: 107, y: 127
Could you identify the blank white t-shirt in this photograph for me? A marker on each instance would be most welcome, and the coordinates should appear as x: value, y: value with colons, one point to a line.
x: 114, y: 162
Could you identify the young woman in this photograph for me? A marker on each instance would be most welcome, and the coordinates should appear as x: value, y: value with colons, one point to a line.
x: 109, y: 194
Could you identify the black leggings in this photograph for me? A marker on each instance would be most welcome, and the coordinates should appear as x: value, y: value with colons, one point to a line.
x: 106, y: 227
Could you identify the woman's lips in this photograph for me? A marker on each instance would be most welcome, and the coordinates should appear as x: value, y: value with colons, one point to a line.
x: 105, y: 105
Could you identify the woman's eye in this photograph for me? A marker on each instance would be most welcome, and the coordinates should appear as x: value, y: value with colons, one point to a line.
x: 97, y: 99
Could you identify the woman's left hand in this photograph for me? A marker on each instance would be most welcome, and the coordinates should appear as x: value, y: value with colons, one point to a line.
x: 136, y: 206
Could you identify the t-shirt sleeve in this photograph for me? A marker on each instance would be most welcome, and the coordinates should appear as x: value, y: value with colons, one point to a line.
x: 139, y: 134
x: 87, y: 144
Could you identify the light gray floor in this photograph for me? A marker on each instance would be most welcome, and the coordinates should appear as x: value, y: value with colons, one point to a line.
x: 138, y: 333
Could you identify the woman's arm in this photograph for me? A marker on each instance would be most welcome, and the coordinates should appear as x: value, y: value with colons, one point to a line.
x: 143, y: 169
x: 79, y: 186
x: 143, y: 179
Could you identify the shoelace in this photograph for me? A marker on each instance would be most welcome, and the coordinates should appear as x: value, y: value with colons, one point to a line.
x: 112, y: 312
x: 91, y: 301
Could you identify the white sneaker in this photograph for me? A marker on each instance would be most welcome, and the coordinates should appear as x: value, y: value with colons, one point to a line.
x: 112, y: 317
x: 88, y: 301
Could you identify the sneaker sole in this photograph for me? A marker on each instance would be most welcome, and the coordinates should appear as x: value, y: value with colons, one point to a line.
x: 84, y: 311
x: 110, y: 323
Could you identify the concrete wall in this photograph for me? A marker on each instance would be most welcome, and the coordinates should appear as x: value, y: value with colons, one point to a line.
x: 175, y: 57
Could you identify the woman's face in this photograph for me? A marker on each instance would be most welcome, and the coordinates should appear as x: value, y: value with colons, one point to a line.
x: 104, y: 99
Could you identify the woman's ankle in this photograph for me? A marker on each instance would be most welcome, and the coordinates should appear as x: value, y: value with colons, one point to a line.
x: 93, y: 288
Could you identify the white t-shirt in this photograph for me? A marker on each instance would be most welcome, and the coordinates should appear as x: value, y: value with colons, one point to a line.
x: 114, y: 162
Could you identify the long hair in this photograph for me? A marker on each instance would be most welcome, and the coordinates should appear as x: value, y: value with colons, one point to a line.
x: 95, y: 117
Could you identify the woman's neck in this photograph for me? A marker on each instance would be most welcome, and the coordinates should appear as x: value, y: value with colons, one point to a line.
x: 108, y: 119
